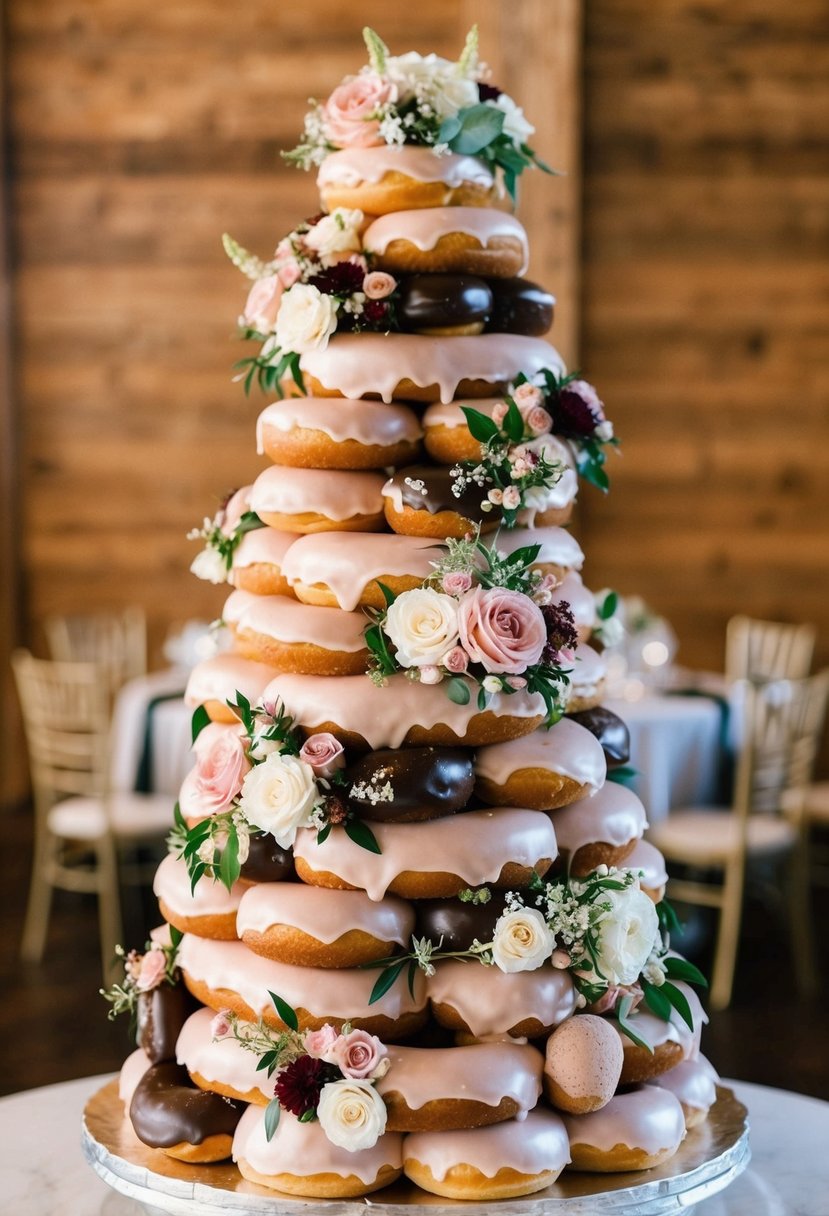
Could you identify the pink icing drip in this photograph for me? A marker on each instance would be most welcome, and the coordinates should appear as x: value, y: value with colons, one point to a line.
x: 224, y: 1060
x: 286, y: 620
x: 335, y: 493
x: 693, y: 1082
x: 235, y: 605
x: 568, y: 749
x: 351, y: 166
x: 450, y: 413
x: 263, y: 545
x: 172, y: 884
x: 303, y: 1148
x: 636, y: 1119
x: 537, y: 1145
x: 346, y: 563
x: 613, y: 815
x: 323, y: 914
x: 490, y: 1001
x: 219, y: 678
x: 425, y: 227
x: 487, y: 1072
x: 368, y: 422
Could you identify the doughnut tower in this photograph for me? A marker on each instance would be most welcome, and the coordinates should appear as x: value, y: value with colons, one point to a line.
x: 495, y: 1077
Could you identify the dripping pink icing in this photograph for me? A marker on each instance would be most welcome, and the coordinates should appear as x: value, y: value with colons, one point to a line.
x: 490, y: 1001
x: 132, y: 1070
x: 235, y: 605
x: 537, y: 1145
x: 475, y: 846
x: 693, y: 1082
x: 567, y: 748
x: 425, y: 227
x: 335, y: 493
x: 341, y: 993
x: 648, y: 859
x: 219, y: 678
x: 322, y: 914
x: 367, y: 422
x: 286, y: 620
x: 265, y: 545
x: 485, y: 1072
x: 172, y: 885
x: 302, y: 1149
x: 346, y: 563
x: 558, y: 546
x: 635, y: 1119
x: 359, y: 364
x: 383, y: 716
x: 222, y: 1060
x: 351, y: 166
x: 573, y: 591
x: 613, y: 815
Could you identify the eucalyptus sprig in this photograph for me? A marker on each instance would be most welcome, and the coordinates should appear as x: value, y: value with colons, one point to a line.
x: 269, y: 367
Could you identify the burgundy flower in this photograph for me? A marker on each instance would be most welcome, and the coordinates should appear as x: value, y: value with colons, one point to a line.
x: 298, y: 1085
x: 488, y: 92
x: 341, y: 279
x: 377, y: 312
x: 315, y: 219
x: 576, y: 409
x: 335, y: 809
x: 561, y: 630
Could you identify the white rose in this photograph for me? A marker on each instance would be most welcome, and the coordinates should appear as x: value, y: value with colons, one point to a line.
x: 522, y: 941
x: 352, y: 1114
x: 306, y: 320
x: 516, y: 125
x: 338, y: 232
x: 433, y: 80
x: 423, y: 625
x: 611, y: 631
x: 278, y: 796
x: 627, y: 934
x: 209, y: 565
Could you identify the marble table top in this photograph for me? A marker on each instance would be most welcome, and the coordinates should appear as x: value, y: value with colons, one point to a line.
x: 42, y: 1171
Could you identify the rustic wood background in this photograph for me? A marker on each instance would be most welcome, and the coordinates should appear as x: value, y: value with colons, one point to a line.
x: 688, y: 256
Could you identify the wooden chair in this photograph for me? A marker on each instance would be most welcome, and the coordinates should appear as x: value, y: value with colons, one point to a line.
x: 778, y: 732
x: 767, y: 650
x: 80, y: 824
x: 117, y: 641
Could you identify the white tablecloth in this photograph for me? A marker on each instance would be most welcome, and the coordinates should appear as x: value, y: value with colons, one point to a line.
x: 165, y: 726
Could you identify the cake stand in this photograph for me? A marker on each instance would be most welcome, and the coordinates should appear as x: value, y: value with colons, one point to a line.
x: 710, y: 1157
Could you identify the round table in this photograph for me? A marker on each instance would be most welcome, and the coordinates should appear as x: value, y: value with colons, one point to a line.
x: 42, y: 1171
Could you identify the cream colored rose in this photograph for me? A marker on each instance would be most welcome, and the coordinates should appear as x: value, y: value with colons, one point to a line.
x: 515, y: 125
x: 522, y: 940
x: 338, y: 232
x: 627, y: 934
x: 352, y: 1114
x: 306, y: 320
x: 278, y: 796
x: 210, y: 566
x: 433, y: 80
x: 423, y: 625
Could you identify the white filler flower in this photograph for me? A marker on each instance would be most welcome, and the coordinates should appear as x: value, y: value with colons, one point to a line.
x: 278, y: 796
x: 352, y: 1114
x: 423, y: 625
x: 338, y: 232
x: 626, y: 935
x: 210, y: 566
x: 306, y: 320
x: 522, y: 940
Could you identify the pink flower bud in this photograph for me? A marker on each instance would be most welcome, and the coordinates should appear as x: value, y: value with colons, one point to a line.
x: 539, y: 421
x: 456, y: 660
x: 496, y: 496
x: 512, y: 498
x: 153, y: 968
x: 323, y: 753
x: 318, y: 1043
x: 500, y: 412
x: 527, y: 397
x: 429, y: 674
x: 220, y: 1026
x: 457, y: 582
x: 377, y: 285
x: 516, y: 682
x: 561, y: 960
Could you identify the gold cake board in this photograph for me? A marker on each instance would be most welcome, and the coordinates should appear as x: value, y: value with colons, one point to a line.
x: 708, y: 1159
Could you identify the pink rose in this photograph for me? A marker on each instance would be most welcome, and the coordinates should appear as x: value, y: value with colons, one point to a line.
x: 539, y: 421
x: 263, y: 302
x: 512, y: 498
x: 500, y: 412
x: 516, y: 682
x: 323, y: 753
x: 456, y: 661
x: 153, y: 968
x: 359, y: 1055
x: 458, y: 582
x: 319, y: 1043
x: 378, y: 284
x: 349, y: 117
x: 289, y: 272
x: 220, y: 1026
x: 527, y: 397
x: 218, y: 775
x: 503, y: 630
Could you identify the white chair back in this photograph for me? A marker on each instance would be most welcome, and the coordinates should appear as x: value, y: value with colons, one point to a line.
x: 767, y: 650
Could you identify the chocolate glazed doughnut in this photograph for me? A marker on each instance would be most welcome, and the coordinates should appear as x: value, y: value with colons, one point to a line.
x: 456, y: 924
x: 420, y: 501
x: 610, y: 730
x: 444, y: 304
x: 266, y: 861
x: 190, y: 1124
x: 520, y: 307
x: 161, y: 1014
x: 425, y: 783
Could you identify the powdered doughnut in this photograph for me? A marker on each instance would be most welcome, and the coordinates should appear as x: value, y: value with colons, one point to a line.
x: 208, y: 909
x: 393, y: 178
x: 587, y: 680
x: 257, y: 562
x: 645, y: 857
x: 300, y: 1159
x: 420, y: 500
x: 449, y: 240
x: 634, y: 1131
x: 544, y: 770
x: 214, y: 682
x: 583, y: 1064
x: 402, y: 713
x: 500, y: 1162
x: 311, y: 927
x: 572, y: 591
x: 484, y: 1001
x: 168, y: 1112
x: 337, y: 433
x: 226, y: 975
x: 610, y: 730
x: 601, y: 829
x: 433, y: 860
x: 414, y: 367
x: 694, y: 1084
x: 417, y: 783
x: 291, y: 636
x: 318, y: 500
x: 442, y: 1089
x: 222, y: 1065
x: 559, y: 551
x: 335, y: 569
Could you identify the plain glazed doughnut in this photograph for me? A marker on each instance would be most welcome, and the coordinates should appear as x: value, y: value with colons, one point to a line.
x: 257, y: 562
x: 449, y: 240
x: 558, y: 554
x: 668, y: 1041
x: 633, y: 1131
x: 694, y: 1084
x: 601, y: 829
x: 300, y: 1160
x: 318, y: 500
x: 226, y: 975
x: 168, y: 1112
x: 403, y: 713
x: 444, y: 1089
x: 654, y: 876
x: 587, y: 680
x: 483, y: 1001
x: 214, y: 682
x: 223, y: 1065
x: 420, y: 501
x: 583, y: 1064
x: 208, y: 909
x: 447, y: 436
x: 498, y: 1162
x: 337, y: 433
x: 433, y: 860
x: 312, y: 927
x: 290, y: 636
x: 544, y: 770
x: 393, y: 178
x: 344, y: 570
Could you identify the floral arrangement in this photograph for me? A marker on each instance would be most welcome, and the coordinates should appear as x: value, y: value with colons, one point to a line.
x: 578, y: 415
x: 318, y: 282
x: 262, y: 779
x: 143, y: 973
x: 481, y: 619
x: 423, y: 100
x: 602, y: 928
x: 221, y: 535
x: 322, y: 1074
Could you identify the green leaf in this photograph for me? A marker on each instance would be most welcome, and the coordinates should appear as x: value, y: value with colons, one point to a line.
x: 669, y: 922
x: 514, y: 423
x: 175, y: 937
x: 272, y: 1113
x: 388, y: 595
x: 362, y: 835
x: 457, y: 690
x: 623, y: 774
x: 609, y: 606
x: 681, y: 969
x: 308, y: 1117
x: 323, y: 833
x: 657, y: 1001
x: 229, y: 866
x: 449, y: 128
x: 249, y: 522
x: 623, y: 1016
x: 198, y: 871
x: 411, y: 976
x: 480, y: 426
x: 200, y: 719
x: 680, y: 1003
x: 285, y: 1011
x: 385, y: 980
x: 481, y: 124
x: 482, y: 699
